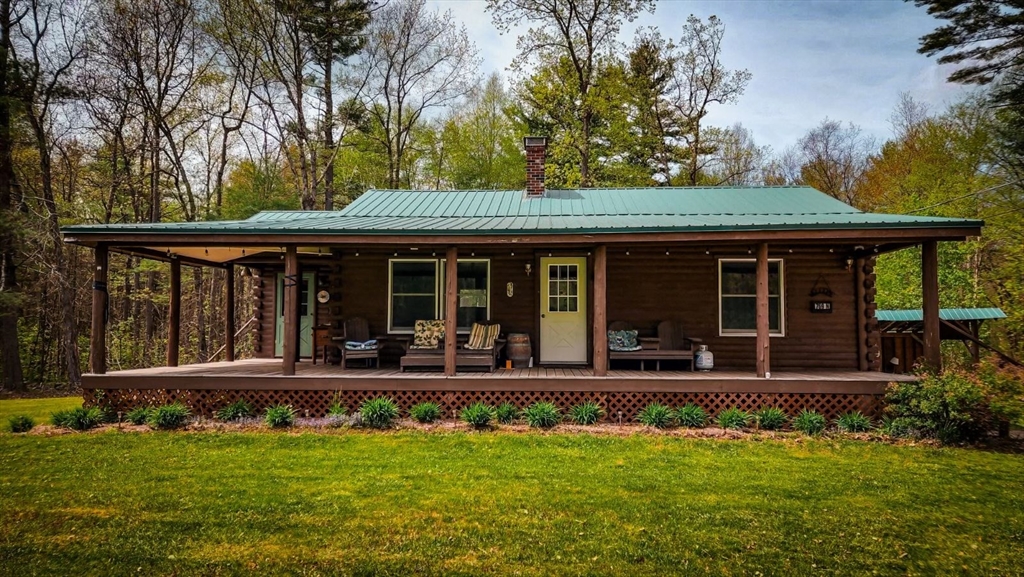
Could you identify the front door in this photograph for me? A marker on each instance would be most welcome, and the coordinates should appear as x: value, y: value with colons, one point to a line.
x: 307, y: 310
x: 563, y: 310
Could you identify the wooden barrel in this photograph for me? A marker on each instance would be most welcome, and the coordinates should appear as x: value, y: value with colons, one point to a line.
x: 519, y: 350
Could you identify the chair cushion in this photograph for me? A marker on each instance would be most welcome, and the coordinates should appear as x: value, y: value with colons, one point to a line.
x: 361, y: 346
x: 623, y: 341
x: 482, y: 337
x: 427, y: 334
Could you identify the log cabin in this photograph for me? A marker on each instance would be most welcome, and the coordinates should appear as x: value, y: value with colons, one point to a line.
x: 776, y: 282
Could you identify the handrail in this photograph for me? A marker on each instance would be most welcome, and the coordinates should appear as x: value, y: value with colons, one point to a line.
x: 245, y: 326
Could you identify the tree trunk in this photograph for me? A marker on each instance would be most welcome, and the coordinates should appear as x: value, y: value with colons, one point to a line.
x: 9, y: 293
x: 329, y: 130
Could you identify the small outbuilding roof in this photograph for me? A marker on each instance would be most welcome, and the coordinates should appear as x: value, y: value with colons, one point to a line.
x: 577, y: 211
x: 915, y: 315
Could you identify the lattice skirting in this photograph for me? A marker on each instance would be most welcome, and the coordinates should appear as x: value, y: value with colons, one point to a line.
x: 618, y: 405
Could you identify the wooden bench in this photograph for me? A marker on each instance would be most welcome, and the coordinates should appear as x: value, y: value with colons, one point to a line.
x: 464, y: 358
x: 670, y: 345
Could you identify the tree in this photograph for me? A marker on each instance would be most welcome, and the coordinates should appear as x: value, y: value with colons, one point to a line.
x: 567, y: 39
x: 700, y: 80
x: 10, y: 297
x: 737, y: 160
x: 986, y: 38
x: 833, y: 159
x: 415, y: 61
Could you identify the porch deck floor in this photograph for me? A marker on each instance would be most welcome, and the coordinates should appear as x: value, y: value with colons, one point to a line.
x: 266, y: 374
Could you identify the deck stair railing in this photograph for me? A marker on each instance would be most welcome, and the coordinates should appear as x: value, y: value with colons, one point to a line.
x: 239, y: 332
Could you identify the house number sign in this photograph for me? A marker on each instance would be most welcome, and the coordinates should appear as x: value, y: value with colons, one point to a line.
x: 819, y: 293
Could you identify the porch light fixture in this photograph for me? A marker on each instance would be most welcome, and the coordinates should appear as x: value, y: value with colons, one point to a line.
x: 357, y: 253
x: 849, y: 263
x: 666, y: 253
x: 627, y: 253
x: 707, y: 251
x: 529, y: 268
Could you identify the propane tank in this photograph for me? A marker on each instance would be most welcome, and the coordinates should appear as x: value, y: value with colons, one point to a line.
x: 705, y: 360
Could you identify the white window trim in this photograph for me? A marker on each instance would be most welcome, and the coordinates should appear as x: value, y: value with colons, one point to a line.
x: 443, y: 271
x: 439, y: 272
x: 391, y: 295
x: 782, y: 299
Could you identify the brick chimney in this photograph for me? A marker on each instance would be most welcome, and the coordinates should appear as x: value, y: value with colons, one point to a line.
x: 536, y: 151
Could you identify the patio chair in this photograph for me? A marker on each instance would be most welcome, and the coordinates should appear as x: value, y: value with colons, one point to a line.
x: 355, y: 343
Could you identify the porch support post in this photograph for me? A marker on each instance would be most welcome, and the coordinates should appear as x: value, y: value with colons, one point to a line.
x: 229, y: 313
x: 451, y: 310
x: 930, y: 304
x: 98, y: 336
x: 763, y: 340
x: 600, y: 311
x: 862, y: 333
x: 291, y: 310
x: 174, y: 313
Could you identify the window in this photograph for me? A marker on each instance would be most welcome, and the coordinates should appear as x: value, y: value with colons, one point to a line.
x: 737, y: 282
x: 413, y: 293
x: 563, y: 288
x: 417, y: 292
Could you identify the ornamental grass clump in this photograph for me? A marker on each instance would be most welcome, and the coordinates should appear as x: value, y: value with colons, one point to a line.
x: 692, y: 416
x: 542, y: 415
x: 809, y: 422
x: 507, y: 413
x: 236, y: 411
x: 337, y: 410
x: 379, y: 413
x: 770, y: 418
x: 425, y: 412
x: 734, y: 418
x: 656, y: 415
x: 587, y: 413
x: 20, y: 423
x: 139, y: 415
x: 478, y: 415
x: 171, y: 416
x: 78, y: 419
x: 279, y: 416
x: 853, y: 422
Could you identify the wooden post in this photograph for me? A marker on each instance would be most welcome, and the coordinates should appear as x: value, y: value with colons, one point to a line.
x: 600, y: 311
x: 98, y: 336
x: 229, y: 313
x: 862, y: 332
x: 451, y: 310
x: 174, y: 313
x: 291, y: 310
x: 763, y: 340
x: 930, y: 304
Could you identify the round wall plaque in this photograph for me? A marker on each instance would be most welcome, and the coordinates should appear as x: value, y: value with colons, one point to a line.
x: 323, y: 296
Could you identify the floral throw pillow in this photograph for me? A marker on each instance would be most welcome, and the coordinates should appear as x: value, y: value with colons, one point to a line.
x: 427, y: 334
x: 623, y: 341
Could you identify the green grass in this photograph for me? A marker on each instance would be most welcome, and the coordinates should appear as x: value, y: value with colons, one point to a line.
x: 38, y: 409
x: 472, y: 503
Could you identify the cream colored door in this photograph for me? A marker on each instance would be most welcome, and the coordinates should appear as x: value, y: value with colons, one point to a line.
x: 563, y: 310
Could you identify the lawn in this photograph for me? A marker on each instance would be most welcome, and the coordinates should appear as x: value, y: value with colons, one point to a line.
x: 38, y: 409
x: 471, y: 503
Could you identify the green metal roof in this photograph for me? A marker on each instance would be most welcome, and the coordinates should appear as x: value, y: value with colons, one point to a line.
x: 915, y: 315
x: 495, y: 212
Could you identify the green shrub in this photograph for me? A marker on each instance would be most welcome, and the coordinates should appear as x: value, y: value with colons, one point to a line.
x: 79, y: 418
x: 542, y: 415
x: 853, y: 422
x: 379, y: 413
x: 586, y: 414
x: 809, y: 422
x: 733, y: 418
x: 425, y: 412
x: 691, y: 415
x: 770, y: 418
x: 337, y: 410
x: 507, y: 413
x: 898, y: 427
x: 171, y: 416
x: 478, y: 415
x: 1004, y: 387
x: 240, y: 409
x: 279, y: 416
x: 139, y: 415
x: 951, y: 406
x: 20, y: 423
x: 656, y: 415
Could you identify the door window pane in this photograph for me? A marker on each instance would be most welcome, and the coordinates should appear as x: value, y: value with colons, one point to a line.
x: 563, y: 288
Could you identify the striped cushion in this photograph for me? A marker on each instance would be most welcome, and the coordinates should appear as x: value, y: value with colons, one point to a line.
x: 481, y: 337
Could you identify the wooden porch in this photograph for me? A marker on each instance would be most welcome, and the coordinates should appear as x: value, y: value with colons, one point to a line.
x: 266, y: 374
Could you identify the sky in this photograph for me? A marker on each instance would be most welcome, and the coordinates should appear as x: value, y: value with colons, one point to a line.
x: 847, y: 60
